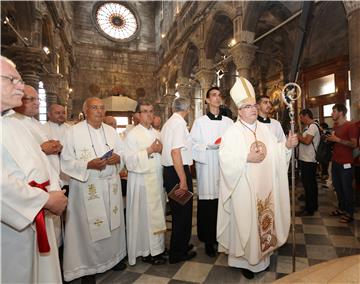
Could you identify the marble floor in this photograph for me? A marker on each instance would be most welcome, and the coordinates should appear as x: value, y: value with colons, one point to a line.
x: 318, y: 238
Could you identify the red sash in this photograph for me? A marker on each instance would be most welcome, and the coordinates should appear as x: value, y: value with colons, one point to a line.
x: 42, y: 238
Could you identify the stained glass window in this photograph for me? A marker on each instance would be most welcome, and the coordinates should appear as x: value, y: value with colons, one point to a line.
x: 116, y: 20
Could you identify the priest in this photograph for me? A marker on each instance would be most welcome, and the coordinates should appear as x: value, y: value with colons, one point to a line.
x: 206, y: 134
x: 254, y: 205
x: 264, y: 108
x: 26, y: 114
x: 30, y: 194
x: 55, y: 129
x: 145, y: 217
x: 94, y: 226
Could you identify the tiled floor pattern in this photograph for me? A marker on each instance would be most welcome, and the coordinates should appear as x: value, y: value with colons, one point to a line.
x: 318, y: 238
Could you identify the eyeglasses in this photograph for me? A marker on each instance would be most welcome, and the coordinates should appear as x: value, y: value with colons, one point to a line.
x: 94, y: 107
x: 13, y: 80
x: 31, y: 99
x: 249, y: 106
x: 146, y: 111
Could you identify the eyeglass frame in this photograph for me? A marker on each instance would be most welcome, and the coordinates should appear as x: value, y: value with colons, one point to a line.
x: 13, y: 80
x: 249, y: 106
x: 95, y: 107
x: 32, y: 99
x: 146, y: 111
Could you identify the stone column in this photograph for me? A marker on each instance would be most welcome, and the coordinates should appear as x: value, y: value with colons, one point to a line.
x: 51, y: 87
x: 243, y: 55
x: 205, y: 78
x: 353, y: 15
x: 28, y: 61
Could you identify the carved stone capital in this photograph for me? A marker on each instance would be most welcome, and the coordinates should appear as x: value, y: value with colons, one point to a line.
x: 28, y: 62
x: 51, y: 83
x: 183, y: 86
x: 351, y: 6
x: 243, y: 55
x: 205, y: 77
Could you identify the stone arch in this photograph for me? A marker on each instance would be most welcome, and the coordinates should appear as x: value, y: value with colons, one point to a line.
x: 190, y: 60
x: 334, y: 34
x: 221, y: 30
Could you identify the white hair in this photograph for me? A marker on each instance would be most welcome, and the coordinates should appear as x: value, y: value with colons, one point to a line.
x: 87, y: 101
x: 8, y: 61
x: 180, y: 104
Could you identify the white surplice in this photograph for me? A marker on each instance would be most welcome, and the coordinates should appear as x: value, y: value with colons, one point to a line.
x: 254, y: 205
x: 94, y: 227
x: 276, y: 129
x: 23, y: 162
x: 55, y: 131
x: 40, y: 135
x: 145, y: 213
x: 204, y: 133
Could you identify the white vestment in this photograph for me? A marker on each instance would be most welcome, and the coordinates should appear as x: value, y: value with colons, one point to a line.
x: 37, y: 130
x: 23, y: 162
x: 145, y: 213
x: 204, y: 133
x: 55, y: 131
x: 94, y: 227
x: 276, y: 129
x: 254, y: 205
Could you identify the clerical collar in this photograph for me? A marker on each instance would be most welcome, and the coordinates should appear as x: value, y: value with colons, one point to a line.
x: 4, y: 112
x: 263, y: 120
x: 213, y: 116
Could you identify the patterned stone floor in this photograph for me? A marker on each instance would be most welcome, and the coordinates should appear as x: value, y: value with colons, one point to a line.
x: 318, y: 239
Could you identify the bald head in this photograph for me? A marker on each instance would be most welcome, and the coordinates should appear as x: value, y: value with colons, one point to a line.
x: 12, y: 87
x: 110, y: 120
x: 94, y: 110
x: 57, y: 114
x: 30, y: 106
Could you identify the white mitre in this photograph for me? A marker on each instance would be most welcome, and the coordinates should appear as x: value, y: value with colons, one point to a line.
x: 242, y: 92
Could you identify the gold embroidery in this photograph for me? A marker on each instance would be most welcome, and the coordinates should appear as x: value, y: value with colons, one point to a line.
x: 115, y: 188
x: 92, y: 192
x: 98, y: 222
x: 266, y: 224
x: 85, y: 155
x: 115, y: 210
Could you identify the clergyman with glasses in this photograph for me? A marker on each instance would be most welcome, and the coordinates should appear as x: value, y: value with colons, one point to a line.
x: 28, y: 245
x: 254, y: 204
x: 145, y: 200
x: 94, y: 227
x: 27, y: 113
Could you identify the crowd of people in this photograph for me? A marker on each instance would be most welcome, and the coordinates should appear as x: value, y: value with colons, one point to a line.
x: 62, y: 185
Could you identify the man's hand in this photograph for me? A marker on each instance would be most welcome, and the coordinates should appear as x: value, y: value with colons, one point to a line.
x: 113, y: 160
x: 183, y: 188
x: 155, y: 147
x: 51, y: 147
x: 292, y: 141
x: 255, y: 157
x: 96, y: 164
x: 332, y: 138
x: 57, y: 202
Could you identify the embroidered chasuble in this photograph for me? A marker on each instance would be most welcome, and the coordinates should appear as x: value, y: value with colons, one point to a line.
x: 254, y: 205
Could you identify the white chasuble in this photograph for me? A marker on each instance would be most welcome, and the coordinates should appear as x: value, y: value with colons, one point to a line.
x: 94, y: 227
x: 254, y: 205
x: 145, y: 195
x: 25, y: 162
x: 204, y: 133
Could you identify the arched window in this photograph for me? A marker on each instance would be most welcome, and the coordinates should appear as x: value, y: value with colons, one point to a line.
x: 42, y: 99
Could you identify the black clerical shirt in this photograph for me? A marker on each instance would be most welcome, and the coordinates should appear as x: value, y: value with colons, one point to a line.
x: 213, y: 116
x: 263, y: 120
